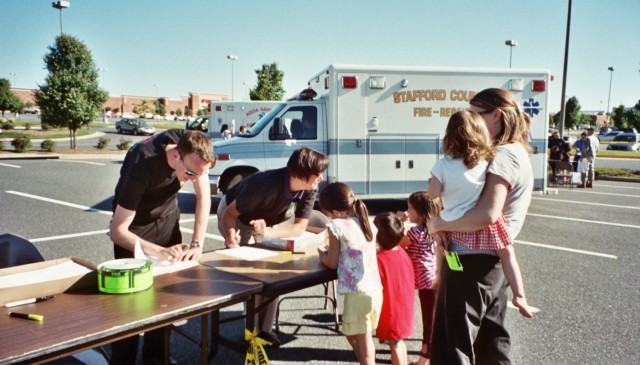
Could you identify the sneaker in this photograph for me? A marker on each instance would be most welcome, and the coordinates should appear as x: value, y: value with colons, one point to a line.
x: 270, y: 337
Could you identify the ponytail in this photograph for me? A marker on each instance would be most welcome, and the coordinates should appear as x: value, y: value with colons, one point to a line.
x: 363, y: 217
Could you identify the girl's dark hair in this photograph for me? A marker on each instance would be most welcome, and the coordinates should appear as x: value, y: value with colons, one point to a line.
x: 338, y: 196
x: 426, y: 207
x: 390, y: 230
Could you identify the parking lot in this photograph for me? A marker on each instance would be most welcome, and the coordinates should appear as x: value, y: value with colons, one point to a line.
x: 578, y: 252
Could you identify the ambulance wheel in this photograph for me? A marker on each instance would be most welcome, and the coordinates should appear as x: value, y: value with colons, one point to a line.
x: 235, y: 179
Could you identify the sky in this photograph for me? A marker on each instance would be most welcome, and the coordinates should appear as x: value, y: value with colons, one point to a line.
x: 162, y: 48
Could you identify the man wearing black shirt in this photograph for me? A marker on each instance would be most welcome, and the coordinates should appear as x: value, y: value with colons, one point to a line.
x: 146, y: 210
x: 261, y: 202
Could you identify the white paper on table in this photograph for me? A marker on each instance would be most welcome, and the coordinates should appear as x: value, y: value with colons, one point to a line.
x: 64, y: 270
x: 248, y: 253
x: 162, y: 266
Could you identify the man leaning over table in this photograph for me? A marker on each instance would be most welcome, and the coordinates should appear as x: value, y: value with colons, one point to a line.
x: 145, y: 209
x: 260, y: 203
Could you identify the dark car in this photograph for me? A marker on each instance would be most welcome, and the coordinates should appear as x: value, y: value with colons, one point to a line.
x: 199, y: 124
x: 134, y: 126
x: 625, y: 142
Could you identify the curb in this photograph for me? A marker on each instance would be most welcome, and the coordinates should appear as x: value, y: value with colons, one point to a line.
x: 93, y: 135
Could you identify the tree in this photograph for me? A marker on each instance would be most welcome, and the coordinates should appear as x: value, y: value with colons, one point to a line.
x: 626, y: 117
x: 572, y: 115
x: 269, y: 85
x: 70, y: 96
x: 8, y: 100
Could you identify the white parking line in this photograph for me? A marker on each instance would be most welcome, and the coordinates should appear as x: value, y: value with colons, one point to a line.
x: 583, y: 220
x: 83, y: 207
x: 72, y: 235
x: 582, y: 191
x: 587, y: 203
x: 560, y: 248
x: 85, y: 162
x: 632, y: 186
x: 10, y: 165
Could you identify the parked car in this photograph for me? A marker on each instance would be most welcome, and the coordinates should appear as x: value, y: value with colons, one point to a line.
x: 31, y: 111
x: 199, y: 124
x: 625, y: 142
x: 135, y: 126
x: 609, y: 136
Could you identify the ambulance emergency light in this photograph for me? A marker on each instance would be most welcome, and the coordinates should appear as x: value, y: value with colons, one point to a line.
x: 377, y: 82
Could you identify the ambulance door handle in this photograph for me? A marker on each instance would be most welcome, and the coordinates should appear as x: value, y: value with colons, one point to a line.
x: 358, y: 143
x: 397, y: 164
x: 410, y: 164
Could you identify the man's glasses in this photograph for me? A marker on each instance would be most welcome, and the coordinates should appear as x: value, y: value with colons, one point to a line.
x: 186, y: 170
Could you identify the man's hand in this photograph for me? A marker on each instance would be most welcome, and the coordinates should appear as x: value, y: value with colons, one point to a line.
x: 190, y: 253
x: 171, y: 253
x: 260, y: 226
x: 232, y: 240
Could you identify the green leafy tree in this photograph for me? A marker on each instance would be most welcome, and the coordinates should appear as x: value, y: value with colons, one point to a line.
x: 70, y: 96
x: 269, y: 86
x: 626, y: 117
x: 8, y: 100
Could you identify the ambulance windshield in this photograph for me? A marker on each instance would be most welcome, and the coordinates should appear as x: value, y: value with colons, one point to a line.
x: 266, y: 119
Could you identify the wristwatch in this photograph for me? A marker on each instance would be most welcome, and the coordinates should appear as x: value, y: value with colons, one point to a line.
x: 195, y: 244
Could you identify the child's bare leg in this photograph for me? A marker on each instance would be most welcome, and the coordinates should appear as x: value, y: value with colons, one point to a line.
x: 514, y: 278
x: 363, y: 347
x: 398, y: 352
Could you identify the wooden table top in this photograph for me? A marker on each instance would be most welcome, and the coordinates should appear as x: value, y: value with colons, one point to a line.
x: 85, y: 319
x: 279, y: 274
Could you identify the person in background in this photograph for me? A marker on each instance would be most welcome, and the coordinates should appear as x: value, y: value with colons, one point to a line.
x: 274, y: 203
x: 565, y: 156
x: 352, y: 252
x: 579, y: 146
x: 426, y: 260
x: 396, y: 275
x: 145, y: 210
x: 556, y: 144
x: 243, y: 130
x: 471, y: 305
x: 588, y: 158
x: 226, y: 133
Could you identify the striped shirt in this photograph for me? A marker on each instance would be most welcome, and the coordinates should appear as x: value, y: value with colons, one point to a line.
x: 422, y: 252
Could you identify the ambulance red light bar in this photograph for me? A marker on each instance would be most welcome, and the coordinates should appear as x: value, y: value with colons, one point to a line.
x: 218, y: 108
x: 349, y: 82
x: 539, y: 85
x: 308, y: 94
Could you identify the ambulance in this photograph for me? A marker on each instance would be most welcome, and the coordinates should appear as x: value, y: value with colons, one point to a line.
x: 237, y: 113
x: 381, y: 126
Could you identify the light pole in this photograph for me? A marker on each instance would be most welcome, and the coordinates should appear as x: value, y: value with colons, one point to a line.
x: 104, y: 106
x: 157, y: 101
x: 246, y: 87
x: 232, y: 57
x: 13, y: 74
x: 511, y: 43
x: 61, y: 5
x: 610, y: 80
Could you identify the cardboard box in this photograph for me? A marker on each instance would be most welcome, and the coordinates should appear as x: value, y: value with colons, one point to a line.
x: 297, y: 244
x: 13, y: 290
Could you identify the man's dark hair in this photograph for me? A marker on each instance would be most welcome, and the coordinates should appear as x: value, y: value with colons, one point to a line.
x: 196, y: 142
x: 390, y: 230
x: 305, y: 162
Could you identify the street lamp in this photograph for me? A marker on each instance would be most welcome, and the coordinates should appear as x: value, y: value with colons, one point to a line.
x: 61, y: 5
x: 610, y: 80
x: 104, y: 106
x: 511, y: 43
x: 232, y: 57
x: 157, y: 101
x: 13, y: 74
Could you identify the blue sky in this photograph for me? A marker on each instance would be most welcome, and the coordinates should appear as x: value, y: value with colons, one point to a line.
x: 181, y: 46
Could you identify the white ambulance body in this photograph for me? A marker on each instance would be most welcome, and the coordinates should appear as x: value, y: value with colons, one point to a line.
x: 237, y: 113
x: 381, y: 126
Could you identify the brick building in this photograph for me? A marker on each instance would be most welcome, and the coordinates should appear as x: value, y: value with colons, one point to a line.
x: 126, y: 103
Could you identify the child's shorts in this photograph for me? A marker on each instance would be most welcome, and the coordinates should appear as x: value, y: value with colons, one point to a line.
x: 361, y: 312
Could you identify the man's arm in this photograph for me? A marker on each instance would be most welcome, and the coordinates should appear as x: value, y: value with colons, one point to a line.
x: 203, y: 208
x: 229, y: 216
x: 120, y: 235
x: 284, y: 230
x: 487, y: 211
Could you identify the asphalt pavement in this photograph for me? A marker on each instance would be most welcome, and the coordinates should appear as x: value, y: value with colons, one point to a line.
x: 578, y: 251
